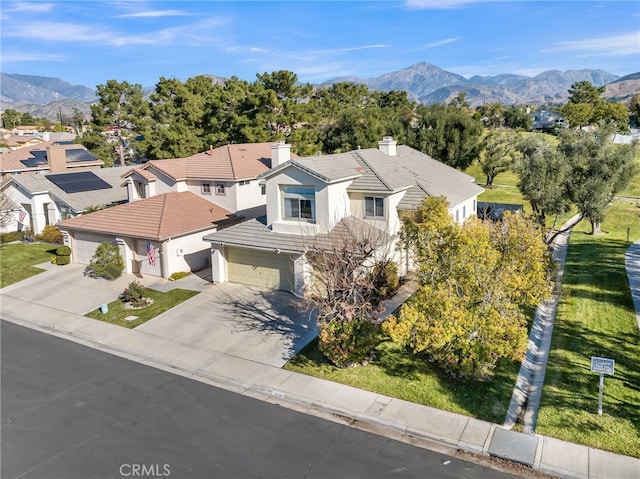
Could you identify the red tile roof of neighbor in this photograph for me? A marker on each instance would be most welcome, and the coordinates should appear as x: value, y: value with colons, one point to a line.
x: 158, y: 218
x: 229, y: 162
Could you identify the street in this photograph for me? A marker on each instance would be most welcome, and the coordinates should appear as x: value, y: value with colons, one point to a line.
x: 73, y: 412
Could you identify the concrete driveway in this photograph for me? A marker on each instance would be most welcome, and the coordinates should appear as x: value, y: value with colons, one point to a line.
x: 259, y: 325
x: 238, y: 320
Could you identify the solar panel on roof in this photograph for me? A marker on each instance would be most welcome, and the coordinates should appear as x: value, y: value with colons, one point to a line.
x: 78, y: 182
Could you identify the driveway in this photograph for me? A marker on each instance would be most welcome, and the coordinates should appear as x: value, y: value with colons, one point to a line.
x: 259, y: 325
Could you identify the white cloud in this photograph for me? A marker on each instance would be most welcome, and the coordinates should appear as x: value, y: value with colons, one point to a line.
x: 615, y: 45
x: 154, y: 13
x: 20, y: 57
x: 437, y: 4
x: 439, y: 43
x: 29, y: 7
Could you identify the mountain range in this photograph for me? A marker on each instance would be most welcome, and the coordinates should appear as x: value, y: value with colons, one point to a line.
x: 47, y: 97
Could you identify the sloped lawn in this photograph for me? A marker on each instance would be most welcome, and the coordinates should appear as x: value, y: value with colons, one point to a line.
x: 161, y: 302
x: 596, y: 317
x: 17, y: 261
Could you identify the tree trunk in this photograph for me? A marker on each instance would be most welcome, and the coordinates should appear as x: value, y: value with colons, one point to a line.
x: 595, y: 228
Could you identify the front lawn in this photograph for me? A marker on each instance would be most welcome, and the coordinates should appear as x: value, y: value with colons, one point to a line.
x: 17, y: 261
x: 398, y: 374
x: 161, y: 302
x: 596, y: 317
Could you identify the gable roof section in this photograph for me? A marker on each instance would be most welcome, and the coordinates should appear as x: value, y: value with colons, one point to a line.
x: 230, y: 162
x: 80, y: 201
x: 374, y: 171
x: 157, y: 218
x: 255, y: 234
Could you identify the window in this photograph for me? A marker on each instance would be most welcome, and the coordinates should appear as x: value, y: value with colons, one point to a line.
x: 140, y: 189
x: 263, y: 189
x: 206, y: 188
x: 457, y: 215
x: 299, y: 203
x: 244, y: 182
x: 464, y: 211
x: 374, y: 206
x: 220, y: 189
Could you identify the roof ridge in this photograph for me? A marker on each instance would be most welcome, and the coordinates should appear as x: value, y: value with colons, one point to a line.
x: 162, y: 213
x: 233, y: 171
x: 373, y: 170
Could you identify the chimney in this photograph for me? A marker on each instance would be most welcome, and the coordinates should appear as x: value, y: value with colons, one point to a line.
x: 210, y: 150
x: 56, y: 158
x: 387, y: 145
x: 280, y: 153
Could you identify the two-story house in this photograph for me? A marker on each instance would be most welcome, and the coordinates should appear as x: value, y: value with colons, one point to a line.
x: 312, y: 196
x: 226, y: 176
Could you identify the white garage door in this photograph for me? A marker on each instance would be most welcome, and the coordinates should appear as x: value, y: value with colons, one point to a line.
x: 85, y: 246
x: 259, y: 268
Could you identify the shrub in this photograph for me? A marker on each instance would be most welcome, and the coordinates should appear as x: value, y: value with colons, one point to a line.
x: 63, y: 250
x: 385, y: 278
x: 54, y: 260
x: 134, y: 293
x: 179, y: 275
x: 13, y: 236
x: 348, y: 342
x: 50, y: 234
x: 63, y: 259
x: 107, y: 261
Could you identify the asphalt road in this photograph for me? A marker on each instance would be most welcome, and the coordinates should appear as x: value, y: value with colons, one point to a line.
x: 72, y: 412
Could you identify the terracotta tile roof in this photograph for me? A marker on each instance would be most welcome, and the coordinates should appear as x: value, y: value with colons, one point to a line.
x: 229, y: 162
x: 14, y: 160
x: 147, y: 175
x: 158, y: 218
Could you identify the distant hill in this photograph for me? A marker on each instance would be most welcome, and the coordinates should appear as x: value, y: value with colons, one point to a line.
x: 45, y: 96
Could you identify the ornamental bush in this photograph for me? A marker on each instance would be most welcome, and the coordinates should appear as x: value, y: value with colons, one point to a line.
x: 63, y: 250
x: 50, y: 234
x: 107, y: 261
x: 134, y: 293
x: 346, y: 343
x: 385, y: 278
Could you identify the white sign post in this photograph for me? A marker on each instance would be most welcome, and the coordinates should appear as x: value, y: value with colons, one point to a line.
x: 602, y: 366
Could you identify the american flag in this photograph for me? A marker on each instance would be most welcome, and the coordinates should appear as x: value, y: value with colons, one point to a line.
x: 151, y: 253
x: 21, y: 216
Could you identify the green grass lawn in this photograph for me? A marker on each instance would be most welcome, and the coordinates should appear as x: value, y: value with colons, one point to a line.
x: 17, y: 261
x: 401, y: 375
x: 596, y: 318
x: 161, y: 302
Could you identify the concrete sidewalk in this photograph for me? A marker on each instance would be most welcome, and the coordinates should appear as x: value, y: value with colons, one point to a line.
x: 383, y: 415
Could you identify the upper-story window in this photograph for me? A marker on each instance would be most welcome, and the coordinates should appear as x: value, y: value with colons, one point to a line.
x: 140, y: 189
x: 244, y: 182
x: 220, y: 190
x: 206, y: 188
x: 374, y: 206
x: 299, y: 203
x: 263, y: 189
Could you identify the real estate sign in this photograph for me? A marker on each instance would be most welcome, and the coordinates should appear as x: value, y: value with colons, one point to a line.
x: 602, y: 366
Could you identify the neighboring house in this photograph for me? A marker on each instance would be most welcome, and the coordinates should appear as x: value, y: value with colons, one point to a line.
x: 45, y: 199
x: 226, y: 176
x: 47, y: 157
x: 496, y: 211
x: 10, y: 215
x: 547, y: 120
x: 17, y: 142
x: 310, y: 198
x: 157, y: 236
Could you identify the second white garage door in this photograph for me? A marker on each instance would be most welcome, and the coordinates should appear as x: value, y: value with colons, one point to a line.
x: 258, y: 268
x: 85, y: 246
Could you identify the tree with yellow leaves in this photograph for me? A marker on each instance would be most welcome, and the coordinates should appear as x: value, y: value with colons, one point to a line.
x: 474, y: 280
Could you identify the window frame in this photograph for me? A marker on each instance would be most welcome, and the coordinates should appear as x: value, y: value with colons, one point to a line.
x: 377, y: 202
x: 221, y: 189
x: 205, y: 188
x: 298, y: 195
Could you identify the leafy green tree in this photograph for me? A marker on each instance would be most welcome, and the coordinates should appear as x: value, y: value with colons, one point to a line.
x: 122, y: 106
x: 491, y: 114
x: 11, y: 118
x: 107, y: 261
x: 578, y: 114
x: 542, y: 178
x: 599, y: 169
x: 634, y: 109
x: 516, y: 117
x: 447, y: 134
x: 586, y: 92
x: 474, y: 279
x: 498, y: 154
x: 616, y: 115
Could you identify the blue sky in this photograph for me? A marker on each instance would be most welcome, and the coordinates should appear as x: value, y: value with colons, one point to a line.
x: 90, y: 42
